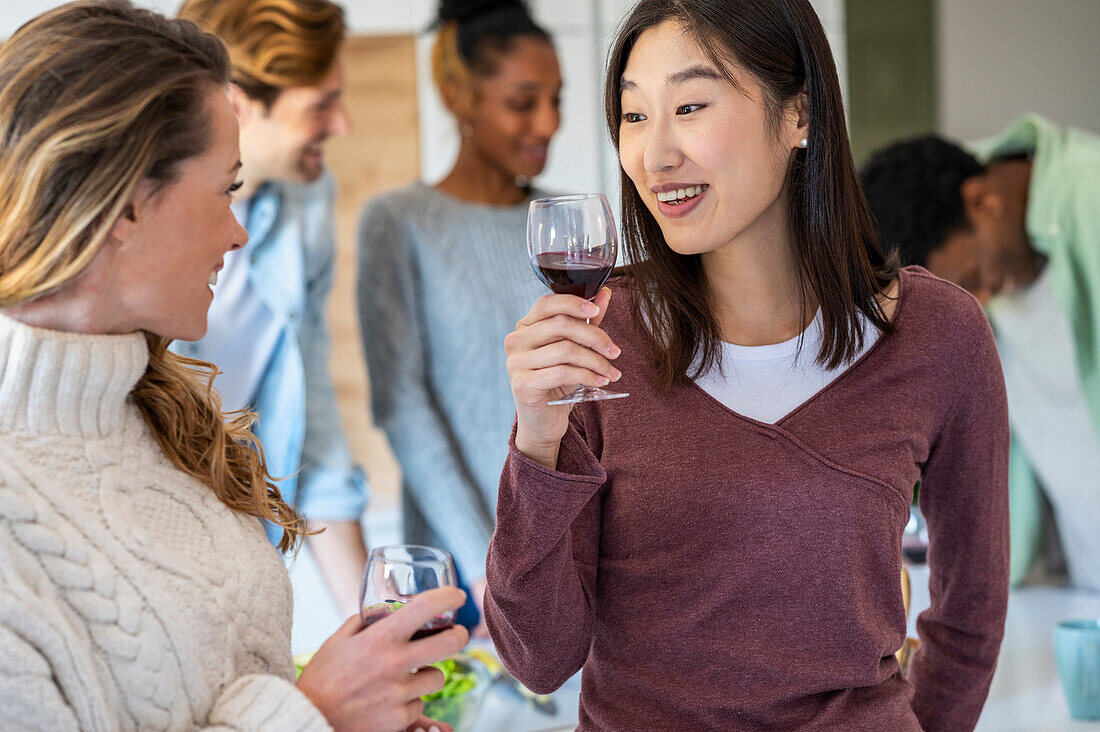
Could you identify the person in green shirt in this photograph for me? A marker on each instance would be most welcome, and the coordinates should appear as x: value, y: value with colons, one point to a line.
x: 1015, y: 219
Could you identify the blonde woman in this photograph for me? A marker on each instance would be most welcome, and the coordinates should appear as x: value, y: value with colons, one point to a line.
x: 137, y: 589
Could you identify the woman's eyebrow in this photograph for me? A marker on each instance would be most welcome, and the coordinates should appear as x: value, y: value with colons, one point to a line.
x: 699, y: 71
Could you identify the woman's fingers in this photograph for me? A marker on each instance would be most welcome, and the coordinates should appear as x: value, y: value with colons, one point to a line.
x: 424, y: 724
x: 536, y: 386
x: 422, y: 608
x: 601, y: 300
x: 551, y: 305
x: 350, y: 627
x: 563, y: 353
x: 557, y: 328
x: 552, y: 344
x: 426, y: 681
x: 570, y: 305
x: 414, y: 711
x: 551, y: 351
x: 426, y: 651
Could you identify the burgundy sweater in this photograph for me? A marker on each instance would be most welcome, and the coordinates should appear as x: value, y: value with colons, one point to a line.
x: 709, y: 571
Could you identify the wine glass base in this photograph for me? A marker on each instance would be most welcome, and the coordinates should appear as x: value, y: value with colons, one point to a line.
x: 588, y: 394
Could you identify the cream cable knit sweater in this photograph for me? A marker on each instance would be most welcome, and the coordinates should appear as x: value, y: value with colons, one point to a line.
x: 130, y: 596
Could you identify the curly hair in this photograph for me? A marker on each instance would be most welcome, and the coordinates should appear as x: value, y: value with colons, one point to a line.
x: 914, y: 190
x: 95, y: 98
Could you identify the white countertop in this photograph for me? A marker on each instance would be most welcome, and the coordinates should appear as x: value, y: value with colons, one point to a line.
x: 505, y: 711
x: 1026, y: 695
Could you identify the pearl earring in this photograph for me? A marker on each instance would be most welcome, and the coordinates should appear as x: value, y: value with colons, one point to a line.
x: 803, y: 142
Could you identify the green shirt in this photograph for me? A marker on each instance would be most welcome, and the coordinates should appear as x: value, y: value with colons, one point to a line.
x: 1063, y: 223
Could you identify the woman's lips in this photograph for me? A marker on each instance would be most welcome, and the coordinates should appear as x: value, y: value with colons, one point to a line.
x: 680, y: 210
x: 212, y: 278
x: 535, y: 153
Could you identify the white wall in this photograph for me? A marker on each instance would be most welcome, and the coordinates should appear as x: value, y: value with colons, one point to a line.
x: 14, y: 13
x: 997, y: 58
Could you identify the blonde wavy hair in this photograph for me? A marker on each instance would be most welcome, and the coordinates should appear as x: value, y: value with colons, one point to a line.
x: 273, y: 44
x: 95, y: 97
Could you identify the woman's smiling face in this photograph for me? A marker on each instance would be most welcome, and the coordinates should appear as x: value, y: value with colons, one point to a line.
x: 158, y: 273
x: 705, y: 156
x: 516, y: 111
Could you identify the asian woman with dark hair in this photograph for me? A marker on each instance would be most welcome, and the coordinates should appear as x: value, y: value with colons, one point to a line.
x: 721, y: 550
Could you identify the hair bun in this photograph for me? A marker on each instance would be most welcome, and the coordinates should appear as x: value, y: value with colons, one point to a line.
x: 463, y: 11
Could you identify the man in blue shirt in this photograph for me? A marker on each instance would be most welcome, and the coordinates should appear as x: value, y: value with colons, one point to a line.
x: 267, y: 329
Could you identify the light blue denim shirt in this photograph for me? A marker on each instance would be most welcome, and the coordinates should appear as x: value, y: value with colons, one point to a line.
x: 291, y: 253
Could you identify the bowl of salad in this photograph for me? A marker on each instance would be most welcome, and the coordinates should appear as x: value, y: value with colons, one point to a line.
x: 466, y: 680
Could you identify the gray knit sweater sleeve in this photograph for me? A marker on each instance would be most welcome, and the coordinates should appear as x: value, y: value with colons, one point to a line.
x: 403, y: 399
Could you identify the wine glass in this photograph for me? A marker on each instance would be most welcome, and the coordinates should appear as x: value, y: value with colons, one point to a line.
x: 572, y: 243
x: 395, y: 573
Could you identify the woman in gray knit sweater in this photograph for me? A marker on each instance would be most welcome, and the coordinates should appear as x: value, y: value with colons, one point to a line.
x: 444, y: 276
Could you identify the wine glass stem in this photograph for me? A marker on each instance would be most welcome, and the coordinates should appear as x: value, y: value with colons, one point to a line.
x: 581, y: 387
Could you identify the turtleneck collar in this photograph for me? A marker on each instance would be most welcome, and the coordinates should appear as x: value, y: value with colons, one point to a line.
x: 70, y: 384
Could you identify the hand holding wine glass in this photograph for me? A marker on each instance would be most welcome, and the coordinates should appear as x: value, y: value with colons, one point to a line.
x: 559, y: 345
x: 573, y: 245
x: 372, y: 678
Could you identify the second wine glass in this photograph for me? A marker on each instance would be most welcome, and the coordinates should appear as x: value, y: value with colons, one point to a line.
x: 394, y: 574
x: 573, y: 244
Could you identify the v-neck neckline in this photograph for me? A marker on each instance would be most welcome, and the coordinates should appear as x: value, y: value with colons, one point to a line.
x: 778, y: 425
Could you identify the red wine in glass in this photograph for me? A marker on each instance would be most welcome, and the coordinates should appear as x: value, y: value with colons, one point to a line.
x: 380, y: 610
x: 433, y: 626
x: 573, y: 273
x: 572, y: 243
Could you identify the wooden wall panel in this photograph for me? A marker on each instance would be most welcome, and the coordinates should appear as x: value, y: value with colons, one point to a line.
x: 381, y: 152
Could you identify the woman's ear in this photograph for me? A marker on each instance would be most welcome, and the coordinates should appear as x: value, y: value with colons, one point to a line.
x: 458, y: 97
x: 125, y: 225
x: 798, y: 115
x: 243, y: 105
x: 133, y: 213
x: 804, y: 111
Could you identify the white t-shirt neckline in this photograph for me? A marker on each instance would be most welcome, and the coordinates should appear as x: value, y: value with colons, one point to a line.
x: 766, y: 383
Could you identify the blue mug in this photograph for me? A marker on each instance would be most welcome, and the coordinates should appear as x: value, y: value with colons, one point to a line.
x: 1077, y: 650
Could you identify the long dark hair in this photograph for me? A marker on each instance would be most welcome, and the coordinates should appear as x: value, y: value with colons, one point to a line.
x: 841, y: 265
